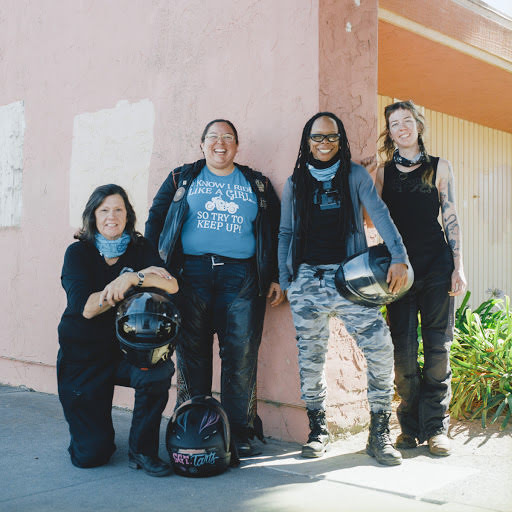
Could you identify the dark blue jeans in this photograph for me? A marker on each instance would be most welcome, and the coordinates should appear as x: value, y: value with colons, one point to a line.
x: 222, y: 299
x: 425, y: 394
x: 85, y: 392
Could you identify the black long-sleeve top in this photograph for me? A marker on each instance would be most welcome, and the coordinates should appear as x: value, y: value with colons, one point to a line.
x: 85, y: 272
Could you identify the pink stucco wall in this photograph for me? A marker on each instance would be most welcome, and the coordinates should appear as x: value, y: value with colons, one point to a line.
x: 256, y: 63
x: 348, y: 82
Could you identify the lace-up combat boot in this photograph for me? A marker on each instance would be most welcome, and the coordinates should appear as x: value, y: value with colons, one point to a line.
x: 379, y: 443
x: 319, y: 435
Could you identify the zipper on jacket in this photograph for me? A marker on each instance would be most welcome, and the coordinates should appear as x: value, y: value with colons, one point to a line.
x: 257, y: 222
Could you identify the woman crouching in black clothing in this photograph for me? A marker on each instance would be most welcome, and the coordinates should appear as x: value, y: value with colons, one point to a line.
x: 98, y: 270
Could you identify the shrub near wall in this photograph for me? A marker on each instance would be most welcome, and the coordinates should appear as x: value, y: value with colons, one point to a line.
x: 481, y: 359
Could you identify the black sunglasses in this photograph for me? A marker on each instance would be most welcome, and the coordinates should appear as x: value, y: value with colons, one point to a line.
x: 331, y: 137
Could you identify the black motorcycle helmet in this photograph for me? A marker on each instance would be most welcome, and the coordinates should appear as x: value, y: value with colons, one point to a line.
x: 362, y: 278
x: 147, y: 323
x: 198, y: 438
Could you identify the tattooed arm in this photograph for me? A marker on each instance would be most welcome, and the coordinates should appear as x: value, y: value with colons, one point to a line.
x: 446, y: 186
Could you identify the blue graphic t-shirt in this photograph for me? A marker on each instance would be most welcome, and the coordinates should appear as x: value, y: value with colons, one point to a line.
x: 222, y: 210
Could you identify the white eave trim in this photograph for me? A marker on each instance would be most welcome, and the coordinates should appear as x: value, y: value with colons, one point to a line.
x: 487, y: 11
x: 438, y: 37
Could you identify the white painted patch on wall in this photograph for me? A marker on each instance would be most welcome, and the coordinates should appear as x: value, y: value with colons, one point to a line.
x: 12, y: 136
x: 348, y: 26
x: 112, y: 146
x: 357, y: 2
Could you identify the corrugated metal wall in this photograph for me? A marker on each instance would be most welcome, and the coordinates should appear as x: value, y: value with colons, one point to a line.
x: 482, y: 164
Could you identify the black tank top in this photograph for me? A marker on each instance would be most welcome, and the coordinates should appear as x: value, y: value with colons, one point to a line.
x: 324, y: 243
x: 414, y: 208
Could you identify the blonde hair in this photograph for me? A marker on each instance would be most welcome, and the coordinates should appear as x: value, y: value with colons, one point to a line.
x: 387, y: 147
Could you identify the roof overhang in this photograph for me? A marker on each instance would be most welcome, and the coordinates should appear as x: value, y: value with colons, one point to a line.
x: 446, y: 73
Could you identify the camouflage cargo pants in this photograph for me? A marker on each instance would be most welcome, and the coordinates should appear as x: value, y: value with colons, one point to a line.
x: 314, y: 299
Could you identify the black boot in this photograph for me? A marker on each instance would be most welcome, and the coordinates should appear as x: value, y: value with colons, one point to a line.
x: 245, y: 447
x: 243, y: 440
x: 319, y: 435
x: 152, y: 465
x: 379, y: 443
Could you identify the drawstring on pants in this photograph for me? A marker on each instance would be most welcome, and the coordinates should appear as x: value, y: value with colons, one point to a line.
x: 320, y: 274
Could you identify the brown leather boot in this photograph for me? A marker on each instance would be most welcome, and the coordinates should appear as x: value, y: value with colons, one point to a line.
x: 406, y: 442
x: 439, y: 445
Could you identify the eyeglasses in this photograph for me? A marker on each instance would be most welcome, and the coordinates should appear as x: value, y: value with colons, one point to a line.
x: 331, y: 137
x: 211, y: 138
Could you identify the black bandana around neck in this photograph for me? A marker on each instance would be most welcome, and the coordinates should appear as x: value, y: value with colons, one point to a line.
x: 418, y: 159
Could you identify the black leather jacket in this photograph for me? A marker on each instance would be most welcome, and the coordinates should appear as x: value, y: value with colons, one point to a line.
x: 169, y: 209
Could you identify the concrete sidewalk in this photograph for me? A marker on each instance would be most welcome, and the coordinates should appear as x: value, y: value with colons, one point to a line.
x: 36, y: 474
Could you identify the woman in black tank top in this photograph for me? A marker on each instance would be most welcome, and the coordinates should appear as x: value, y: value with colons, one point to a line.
x: 416, y: 187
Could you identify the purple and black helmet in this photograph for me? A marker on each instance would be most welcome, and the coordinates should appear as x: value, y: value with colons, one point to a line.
x: 198, y: 438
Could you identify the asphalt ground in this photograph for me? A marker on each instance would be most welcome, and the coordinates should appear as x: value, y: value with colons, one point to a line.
x: 36, y: 474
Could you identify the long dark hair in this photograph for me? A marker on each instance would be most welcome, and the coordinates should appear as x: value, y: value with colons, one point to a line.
x: 231, y: 125
x: 304, y: 181
x: 89, y: 229
x: 387, y: 147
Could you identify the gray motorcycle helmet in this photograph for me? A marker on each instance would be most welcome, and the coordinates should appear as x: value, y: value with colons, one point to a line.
x: 147, y: 323
x: 362, y: 278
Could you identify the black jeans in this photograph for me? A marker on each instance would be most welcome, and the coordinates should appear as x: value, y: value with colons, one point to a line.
x: 425, y: 395
x: 221, y: 298
x: 85, y: 392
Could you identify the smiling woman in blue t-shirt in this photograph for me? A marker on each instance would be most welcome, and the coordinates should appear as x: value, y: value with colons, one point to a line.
x: 215, y: 223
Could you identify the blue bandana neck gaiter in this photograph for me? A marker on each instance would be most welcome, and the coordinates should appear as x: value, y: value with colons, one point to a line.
x: 111, y: 248
x: 324, y: 174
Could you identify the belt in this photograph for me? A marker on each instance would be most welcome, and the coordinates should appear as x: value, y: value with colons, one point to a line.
x: 217, y: 259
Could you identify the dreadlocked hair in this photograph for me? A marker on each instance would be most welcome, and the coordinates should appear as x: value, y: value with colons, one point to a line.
x: 303, y: 180
x: 387, y: 147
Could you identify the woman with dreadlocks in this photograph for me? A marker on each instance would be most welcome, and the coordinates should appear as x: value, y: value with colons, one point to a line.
x: 415, y: 186
x: 321, y: 225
